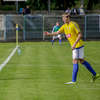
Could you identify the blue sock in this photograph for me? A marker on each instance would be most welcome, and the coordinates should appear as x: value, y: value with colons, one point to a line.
x: 88, y: 66
x: 52, y: 41
x: 59, y: 41
x: 75, y: 70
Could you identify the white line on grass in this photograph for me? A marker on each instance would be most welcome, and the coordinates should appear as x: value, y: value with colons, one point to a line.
x: 9, y: 57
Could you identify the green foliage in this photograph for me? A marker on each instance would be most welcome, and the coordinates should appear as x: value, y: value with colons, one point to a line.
x: 54, y: 4
x: 86, y: 3
x: 37, y: 4
x: 92, y: 4
x: 96, y: 7
x: 7, y: 7
x: 62, y: 4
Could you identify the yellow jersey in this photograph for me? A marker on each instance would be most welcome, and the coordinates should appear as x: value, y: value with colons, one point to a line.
x: 71, y: 31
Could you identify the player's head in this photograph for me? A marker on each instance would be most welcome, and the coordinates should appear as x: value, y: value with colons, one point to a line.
x: 66, y: 17
x: 57, y: 24
x: 27, y: 6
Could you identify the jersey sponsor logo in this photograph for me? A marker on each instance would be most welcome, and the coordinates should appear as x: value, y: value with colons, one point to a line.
x: 68, y: 35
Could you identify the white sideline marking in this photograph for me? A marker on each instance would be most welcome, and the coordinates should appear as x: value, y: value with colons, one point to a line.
x: 9, y: 57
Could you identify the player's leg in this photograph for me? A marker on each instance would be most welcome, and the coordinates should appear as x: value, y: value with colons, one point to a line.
x: 90, y: 68
x: 76, y: 54
x: 75, y: 66
x: 87, y: 64
x: 53, y: 38
x: 75, y: 70
x: 59, y: 37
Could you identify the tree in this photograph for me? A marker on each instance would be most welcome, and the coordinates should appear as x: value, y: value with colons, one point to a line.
x: 37, y: 4
x: 56, y: 4
x: 0, y: 2
x: 91, y: 4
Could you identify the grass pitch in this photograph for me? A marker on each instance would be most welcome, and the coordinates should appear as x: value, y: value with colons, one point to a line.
x: 41, y: 70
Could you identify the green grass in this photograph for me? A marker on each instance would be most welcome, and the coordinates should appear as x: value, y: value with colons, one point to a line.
x: 41, y: 70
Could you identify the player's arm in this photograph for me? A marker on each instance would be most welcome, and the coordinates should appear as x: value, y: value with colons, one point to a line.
x: 52, y: 34
x: 61, y: 30
x: 78, y: 38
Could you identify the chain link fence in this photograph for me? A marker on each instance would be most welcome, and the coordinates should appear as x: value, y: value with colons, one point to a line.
x: 31, y: 27
x: 92, y: 27
x: 10, y: 24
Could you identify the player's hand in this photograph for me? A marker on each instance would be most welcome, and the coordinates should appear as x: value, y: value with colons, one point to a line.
x: 46, y: 33
x: 73, y: 48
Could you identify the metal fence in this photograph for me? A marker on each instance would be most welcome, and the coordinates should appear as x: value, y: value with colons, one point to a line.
x: 10, y: 24
x: 92, y: 27
x: 31, y: 27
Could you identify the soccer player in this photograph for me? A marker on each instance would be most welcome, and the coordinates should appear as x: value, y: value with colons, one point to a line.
x: 74, y: 36
x: 55, y: 29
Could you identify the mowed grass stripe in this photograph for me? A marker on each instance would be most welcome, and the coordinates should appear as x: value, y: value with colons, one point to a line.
x: 38, y: 82
x: 43, y: 78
